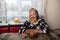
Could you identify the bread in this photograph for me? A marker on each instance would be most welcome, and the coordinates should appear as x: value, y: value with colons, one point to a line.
x: 32, y: 34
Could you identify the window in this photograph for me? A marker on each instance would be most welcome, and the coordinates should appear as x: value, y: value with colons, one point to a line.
x: 19, y: 9
x: 25, y: 6
x: 2, y: 11
x: 11, y: 7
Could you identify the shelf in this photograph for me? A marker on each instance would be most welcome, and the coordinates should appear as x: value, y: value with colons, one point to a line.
x: 5, y: 24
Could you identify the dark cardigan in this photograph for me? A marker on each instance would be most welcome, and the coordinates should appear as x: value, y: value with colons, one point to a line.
x: 41, y: 25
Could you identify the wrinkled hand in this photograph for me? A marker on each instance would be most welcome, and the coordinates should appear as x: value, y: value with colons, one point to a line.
x: 34, y: 30
x: 23, y: 35
x: 38, y: 31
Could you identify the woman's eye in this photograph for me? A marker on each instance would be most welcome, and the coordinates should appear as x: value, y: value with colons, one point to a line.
x: 30, y: 15
x: 33, y: 14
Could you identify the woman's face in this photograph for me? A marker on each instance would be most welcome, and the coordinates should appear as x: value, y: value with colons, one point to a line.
x: 33, y: 16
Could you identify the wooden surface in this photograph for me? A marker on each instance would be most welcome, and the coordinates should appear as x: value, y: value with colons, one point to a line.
x: 16, y: 36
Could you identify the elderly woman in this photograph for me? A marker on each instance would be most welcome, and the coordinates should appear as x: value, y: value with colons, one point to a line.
x: 37, y: 26
x: 33, y: 29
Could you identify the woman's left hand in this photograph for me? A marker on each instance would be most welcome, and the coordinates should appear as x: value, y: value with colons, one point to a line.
x: 38, y: 31
x: 35, y: 30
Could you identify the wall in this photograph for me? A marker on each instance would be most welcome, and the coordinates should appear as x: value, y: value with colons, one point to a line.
x: 53, y: 13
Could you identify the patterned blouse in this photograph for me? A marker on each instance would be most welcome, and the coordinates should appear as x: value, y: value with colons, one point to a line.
x: 41, y: 25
